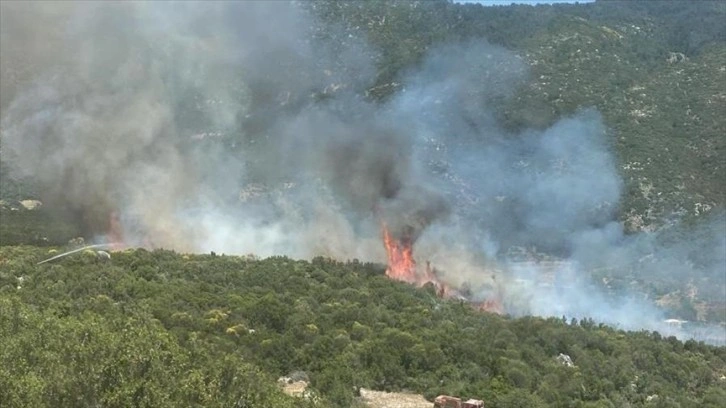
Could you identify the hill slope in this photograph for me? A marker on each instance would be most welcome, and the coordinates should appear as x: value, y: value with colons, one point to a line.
x: 83, y: 330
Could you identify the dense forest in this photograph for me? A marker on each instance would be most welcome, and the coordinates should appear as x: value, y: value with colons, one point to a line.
x: 163, y: 329
x: 159, y: 328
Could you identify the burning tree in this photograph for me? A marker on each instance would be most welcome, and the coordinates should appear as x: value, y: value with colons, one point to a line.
x: 402, y: 267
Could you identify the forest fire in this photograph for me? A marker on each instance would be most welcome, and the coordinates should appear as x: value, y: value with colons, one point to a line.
x: 114, y: 234
x: 115, y: 231
x: 402, y: 267
x: 491, y: 306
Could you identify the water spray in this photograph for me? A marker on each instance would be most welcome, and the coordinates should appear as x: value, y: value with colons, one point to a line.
x: 110, y: 245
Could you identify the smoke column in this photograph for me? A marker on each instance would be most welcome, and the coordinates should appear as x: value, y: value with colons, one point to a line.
x: 240, y: 127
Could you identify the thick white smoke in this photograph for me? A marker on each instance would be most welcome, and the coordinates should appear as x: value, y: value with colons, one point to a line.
x: 554, y: 191
x: 240, y: 127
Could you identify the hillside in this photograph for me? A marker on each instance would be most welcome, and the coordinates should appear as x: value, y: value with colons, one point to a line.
x: 655, y: 72
x: 561, y: 166
x: 656, y: 76
x: 164, y: 329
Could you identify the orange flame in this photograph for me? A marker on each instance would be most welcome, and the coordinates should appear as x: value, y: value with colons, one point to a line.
x: 118, y: 240
x: 491, y: 306
x: 401, y: 265
x: 115, y: 233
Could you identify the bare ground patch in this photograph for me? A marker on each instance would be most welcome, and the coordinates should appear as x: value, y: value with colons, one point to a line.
x: 380, y: 399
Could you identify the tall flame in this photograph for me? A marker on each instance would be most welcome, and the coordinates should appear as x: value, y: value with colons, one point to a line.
x: 115, y: 233
x: 401, y: 265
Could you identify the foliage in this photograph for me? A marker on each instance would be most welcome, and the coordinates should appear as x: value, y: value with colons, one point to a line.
x: 34, y: 227
x: 158, y: 328
x: 161, y: 329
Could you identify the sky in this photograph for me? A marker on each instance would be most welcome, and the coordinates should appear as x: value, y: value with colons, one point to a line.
x: 531, y: 2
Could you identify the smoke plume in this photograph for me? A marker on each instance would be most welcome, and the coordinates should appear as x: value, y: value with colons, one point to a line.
x: 241, y: 127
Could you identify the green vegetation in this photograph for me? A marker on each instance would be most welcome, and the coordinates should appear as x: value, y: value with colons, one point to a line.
x: 163, y: 329
x: 158, y: 329
x: 37, y: 227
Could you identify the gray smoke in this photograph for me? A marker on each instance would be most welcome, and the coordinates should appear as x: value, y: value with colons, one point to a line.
x: 100, y: 120
x: 554, y: 191
x: 165, y: 112
x: 240, y: 127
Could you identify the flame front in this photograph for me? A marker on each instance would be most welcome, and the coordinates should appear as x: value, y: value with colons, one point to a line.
x: 115, y: 235
x: 491, y: 306
x: 401, y: 265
